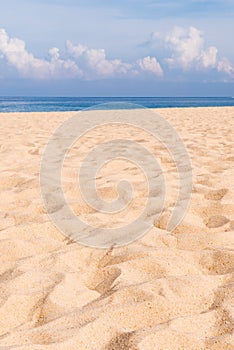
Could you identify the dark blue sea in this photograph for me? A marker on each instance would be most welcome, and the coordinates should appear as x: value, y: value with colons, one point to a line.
x: 49, y: 104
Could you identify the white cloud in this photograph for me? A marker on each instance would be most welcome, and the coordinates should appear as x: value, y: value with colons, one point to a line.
x: 208, y: 58
x: 77, y: 50
x: 187, y: 51
x: 188, y: 46
x: 225, y: 66
x: 150, y: 64
x: 95, y: 62
x: 28, y: 66
x: 83, y: 62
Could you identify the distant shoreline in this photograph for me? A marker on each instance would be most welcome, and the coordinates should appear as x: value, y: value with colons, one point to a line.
x: 159, y: 110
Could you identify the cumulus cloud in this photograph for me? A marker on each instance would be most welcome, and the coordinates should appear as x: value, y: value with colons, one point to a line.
x: 208, y: 58
x: 187, y: 46
x: 225, y: 66
x: 83, y: 62
x: 95, y: 62
x: 28, y: 66
x: 150, y: 64
x: 184, y: 48
x: 188, y: 51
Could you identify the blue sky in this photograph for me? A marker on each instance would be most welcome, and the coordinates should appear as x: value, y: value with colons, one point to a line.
x: 125, y: 47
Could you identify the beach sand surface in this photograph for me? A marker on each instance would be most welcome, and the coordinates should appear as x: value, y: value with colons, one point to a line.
x: 165, y: 291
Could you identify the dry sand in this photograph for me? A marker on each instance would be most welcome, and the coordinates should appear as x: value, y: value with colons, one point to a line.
x: 165, y: 291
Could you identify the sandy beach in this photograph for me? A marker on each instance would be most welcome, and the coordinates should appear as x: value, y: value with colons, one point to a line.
x: 165, y: 291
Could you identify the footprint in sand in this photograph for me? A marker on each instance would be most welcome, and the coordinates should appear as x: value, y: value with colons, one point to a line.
x: 217, y: 262
x: 216, y: 195
x: 34, y: 151
x: 122, y: 341
x: 102, y: 280
x: 10, y: 182
x: 204, y: 179
x: 216, y: 221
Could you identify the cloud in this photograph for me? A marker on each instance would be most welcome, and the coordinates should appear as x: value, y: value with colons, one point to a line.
x: 225, y: 66
x: 82, y: 62
x: 150, y: 64
x: 187, y: 46
x: 208, y: 58
x: 184, y: 48
x: 95, y: 62
x: 15, y: 53
x: 188, y: 51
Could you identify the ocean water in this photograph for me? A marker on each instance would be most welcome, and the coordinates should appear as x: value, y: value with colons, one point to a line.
x: 49, y: 104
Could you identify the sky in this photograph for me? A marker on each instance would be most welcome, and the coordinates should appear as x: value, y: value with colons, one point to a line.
x: 117, y: 48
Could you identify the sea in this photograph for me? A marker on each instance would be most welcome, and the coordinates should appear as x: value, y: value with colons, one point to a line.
x: 54, y: 104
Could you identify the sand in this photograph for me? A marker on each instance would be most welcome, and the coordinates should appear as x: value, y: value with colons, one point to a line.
x: 167, y: 290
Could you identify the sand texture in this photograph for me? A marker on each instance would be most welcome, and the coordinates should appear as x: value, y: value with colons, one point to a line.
x: 166, y: 291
